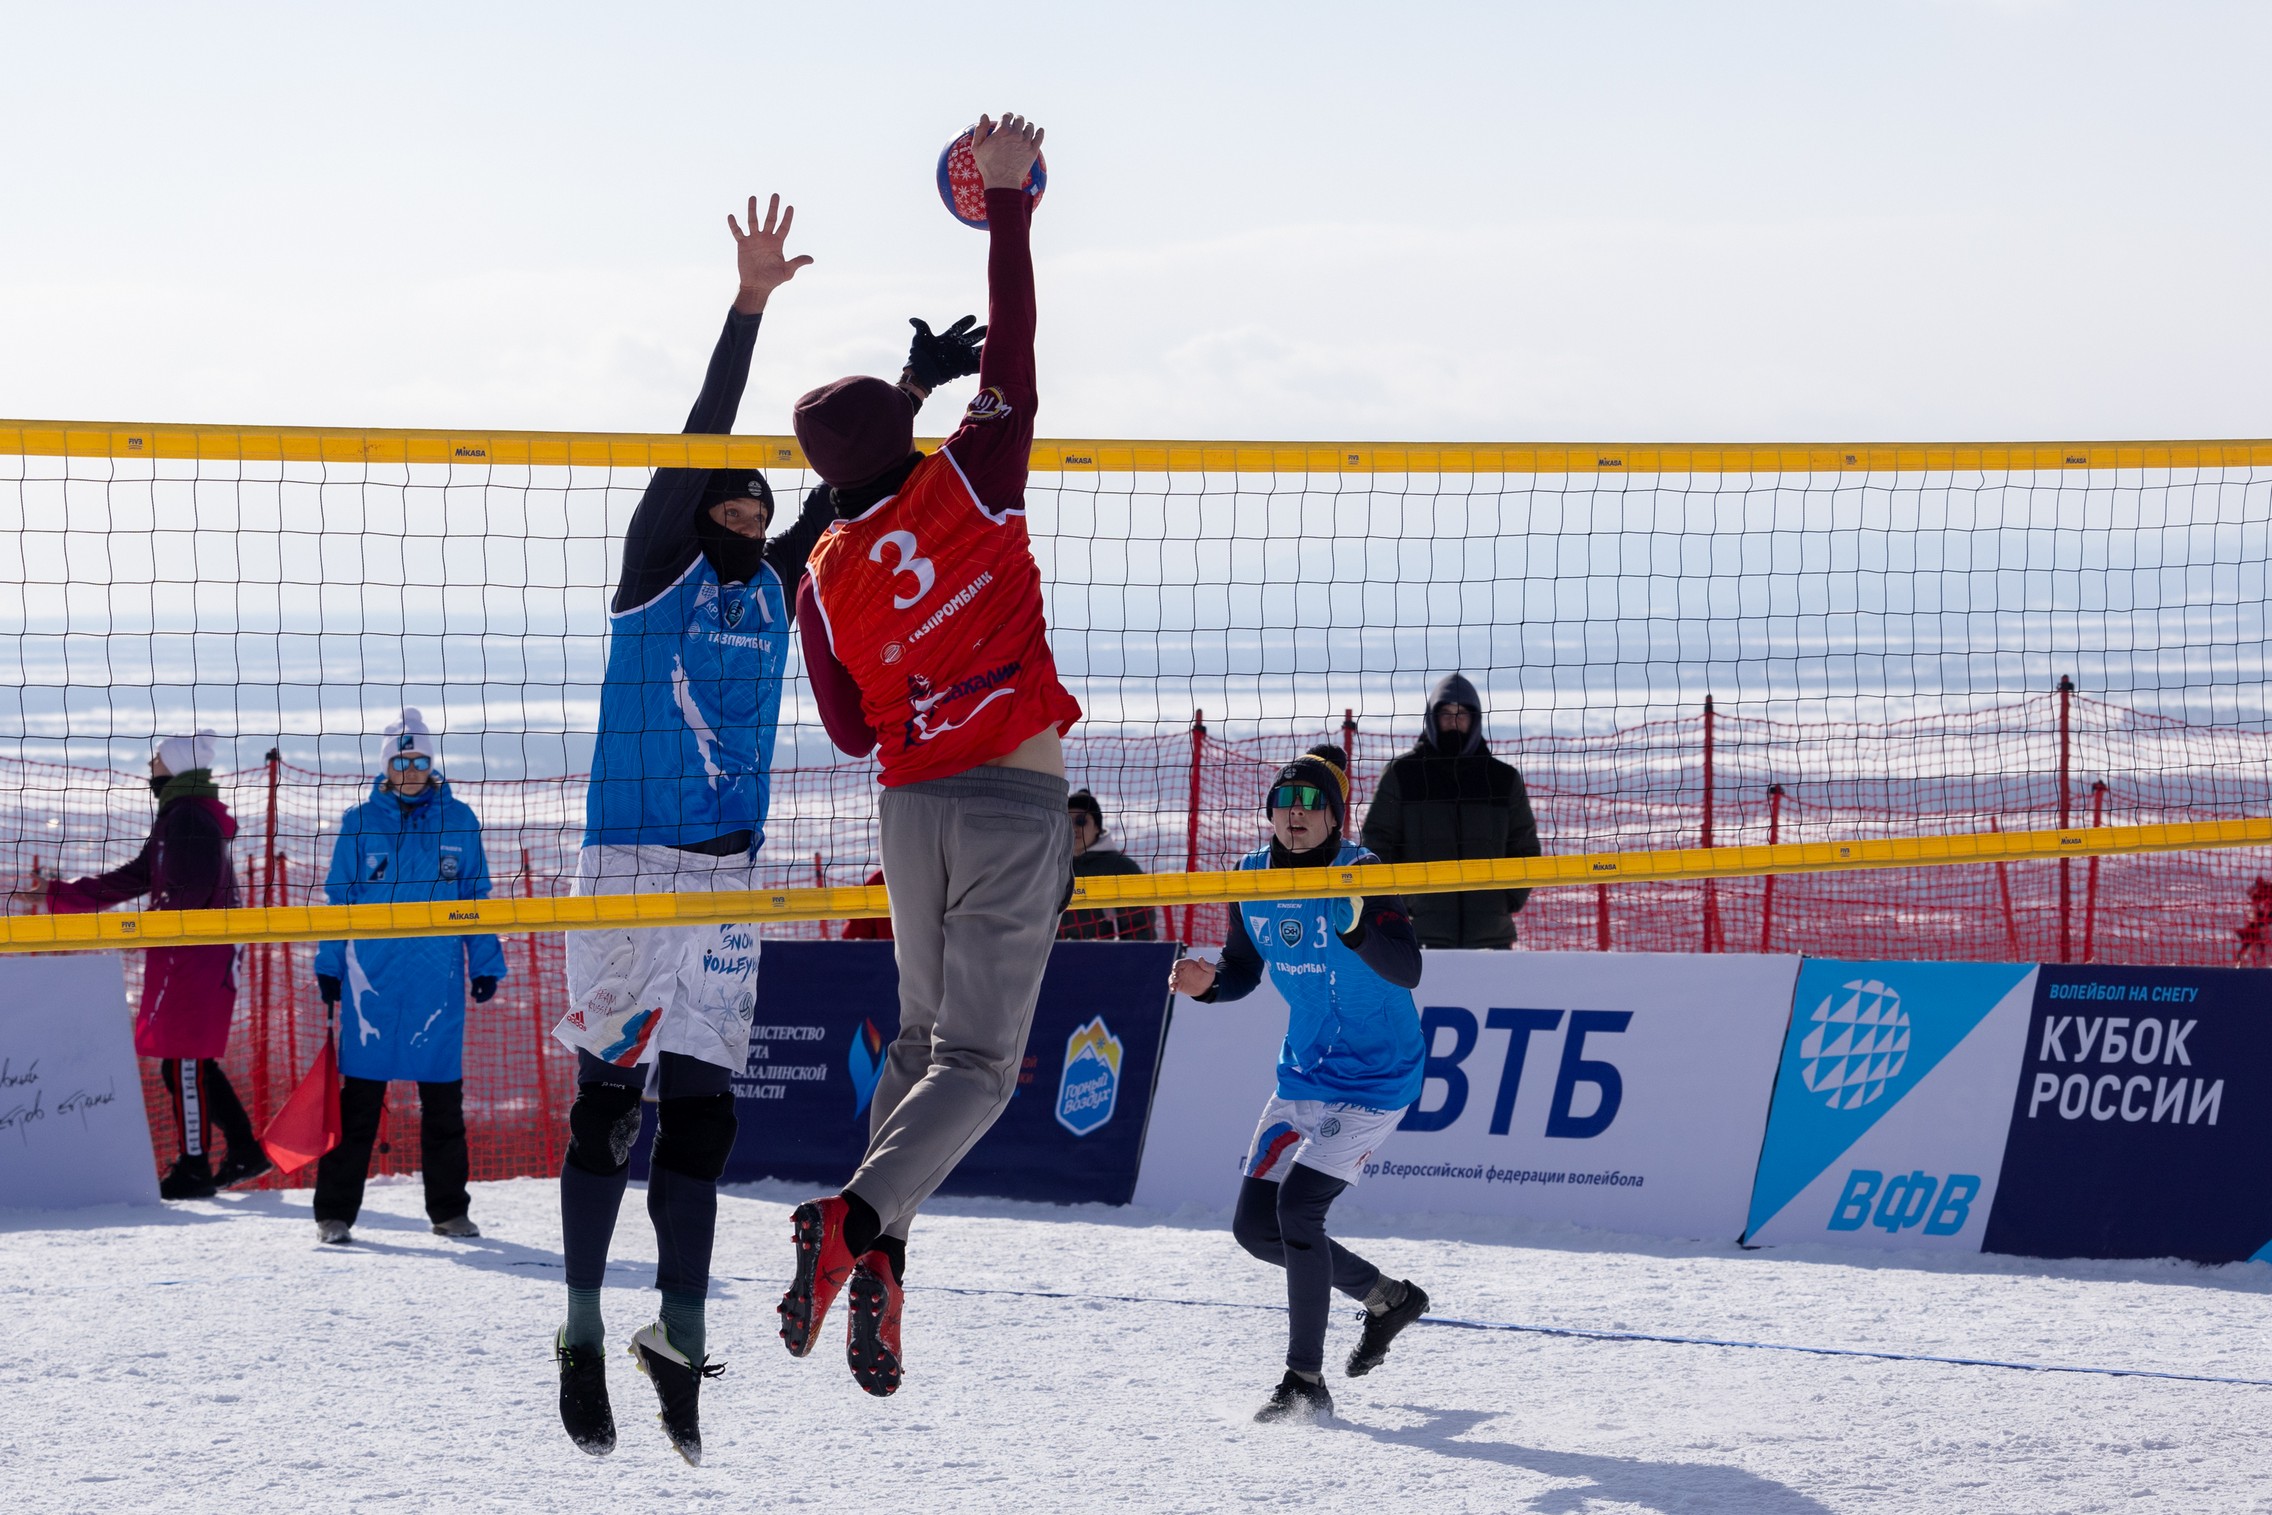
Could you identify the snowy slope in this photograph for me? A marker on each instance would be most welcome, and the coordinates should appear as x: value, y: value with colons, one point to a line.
x: 212, y: 1357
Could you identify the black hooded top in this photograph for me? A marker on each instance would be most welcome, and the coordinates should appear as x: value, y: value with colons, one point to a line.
x: 1436, y: 806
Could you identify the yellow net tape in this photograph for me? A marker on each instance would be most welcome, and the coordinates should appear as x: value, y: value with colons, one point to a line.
x: 547, y: 449
x: 167, y: 928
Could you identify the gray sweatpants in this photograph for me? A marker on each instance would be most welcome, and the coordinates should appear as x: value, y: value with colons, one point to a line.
x: 980, y: 866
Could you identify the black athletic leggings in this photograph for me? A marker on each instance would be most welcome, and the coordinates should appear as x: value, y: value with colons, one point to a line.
x: 203, y: 1097
x: 443, y: 1160
x: 1284, y: 1224
x: 694, y: 1133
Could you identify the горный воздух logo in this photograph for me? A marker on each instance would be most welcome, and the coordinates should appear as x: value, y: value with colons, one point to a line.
x: 1090, y: 1085
x: 1857, y: 1044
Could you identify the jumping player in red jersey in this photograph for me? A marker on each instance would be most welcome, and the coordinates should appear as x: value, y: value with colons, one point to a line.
x: 923, y: 633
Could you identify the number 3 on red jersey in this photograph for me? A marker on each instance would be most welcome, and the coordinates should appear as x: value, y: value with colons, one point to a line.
x: 912, y: 564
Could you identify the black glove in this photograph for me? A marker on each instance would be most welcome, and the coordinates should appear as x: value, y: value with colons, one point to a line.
x: 484, y: 988
x: 935, y: 357
x: 328, y: 986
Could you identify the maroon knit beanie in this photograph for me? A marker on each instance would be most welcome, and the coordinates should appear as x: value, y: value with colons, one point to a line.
x: 854, y: 429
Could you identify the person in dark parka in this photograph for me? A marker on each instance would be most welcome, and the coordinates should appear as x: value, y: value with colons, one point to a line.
x: 1092, y: 859
x: 1449, y: 798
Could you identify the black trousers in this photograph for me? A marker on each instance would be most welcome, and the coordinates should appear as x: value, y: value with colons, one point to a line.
x: 442, y: 1157
x: 203, y: 1097
x: 1284, y: 1224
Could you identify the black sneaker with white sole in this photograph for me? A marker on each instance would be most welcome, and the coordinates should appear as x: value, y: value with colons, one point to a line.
x: 585, y: 1412
x: 678, y: 1384
x: 1381, y: 1329
x: 1297, y: 1401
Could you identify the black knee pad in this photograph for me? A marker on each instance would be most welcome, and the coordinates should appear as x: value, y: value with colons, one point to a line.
x: 695, y: 1135
x: 602, y: 1125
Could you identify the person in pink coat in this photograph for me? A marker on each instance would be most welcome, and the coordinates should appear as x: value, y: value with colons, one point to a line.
x: 189, y: 994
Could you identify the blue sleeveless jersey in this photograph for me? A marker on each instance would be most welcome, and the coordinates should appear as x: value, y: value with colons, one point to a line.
x: 1352, y: 1037
x: 687, y: 713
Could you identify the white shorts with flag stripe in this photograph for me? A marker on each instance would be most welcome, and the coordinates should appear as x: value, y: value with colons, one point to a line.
x: 1336, y: 1140
x: 685, y: 989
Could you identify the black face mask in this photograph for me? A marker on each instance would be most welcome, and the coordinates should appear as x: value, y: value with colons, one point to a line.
x: 733, y: 557
x: 159, y: 781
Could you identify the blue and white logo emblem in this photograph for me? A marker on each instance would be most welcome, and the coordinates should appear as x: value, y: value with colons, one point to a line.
x: 731, y: 608
x: 448, y: 866
x: 1090, y: 1086
x: 1290, y: 931
x: 1856, y: 1044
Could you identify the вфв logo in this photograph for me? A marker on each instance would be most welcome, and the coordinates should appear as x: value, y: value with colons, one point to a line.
x: 1090, y: 1085
x: 1903, y: 1201
x: 1857, y: 1046
x: 867, y: 1065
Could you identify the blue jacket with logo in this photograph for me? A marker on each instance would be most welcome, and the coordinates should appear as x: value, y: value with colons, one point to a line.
x: 1352, y: 1030
x: 402, y: 1001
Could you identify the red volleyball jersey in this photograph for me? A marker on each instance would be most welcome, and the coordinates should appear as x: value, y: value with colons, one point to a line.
x: 933, y: 604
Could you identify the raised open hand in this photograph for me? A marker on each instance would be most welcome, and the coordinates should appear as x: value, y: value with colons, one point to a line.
x: 758, y: 256
x: 1004, y: 150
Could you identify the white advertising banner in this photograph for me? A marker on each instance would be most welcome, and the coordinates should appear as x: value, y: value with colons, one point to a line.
x: 1627, y: 1091
x: 72, y: 1127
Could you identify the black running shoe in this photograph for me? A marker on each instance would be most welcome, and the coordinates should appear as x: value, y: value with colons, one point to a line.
x: 871, y: 1327
x: 1382, y: 1329
x: 1296, y: 1402
x: 241, y: 1167
x: 678, y: 1383
x: 188, y: 1178
x: 584, y: 1411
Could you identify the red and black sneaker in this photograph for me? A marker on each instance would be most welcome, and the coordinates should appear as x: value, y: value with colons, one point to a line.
x: 824, y: 1262
x: 871, y: 1333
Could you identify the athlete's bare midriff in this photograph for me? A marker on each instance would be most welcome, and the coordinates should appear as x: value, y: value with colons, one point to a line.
x: 1043, y: 752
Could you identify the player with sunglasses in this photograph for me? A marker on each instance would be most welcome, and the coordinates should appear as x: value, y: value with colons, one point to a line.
x: 1347, y: 1071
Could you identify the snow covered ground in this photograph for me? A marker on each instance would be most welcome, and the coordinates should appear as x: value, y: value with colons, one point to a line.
x: 212, y: 1357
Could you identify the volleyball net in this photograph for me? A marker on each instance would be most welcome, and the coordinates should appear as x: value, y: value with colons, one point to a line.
x: 2038, y: 669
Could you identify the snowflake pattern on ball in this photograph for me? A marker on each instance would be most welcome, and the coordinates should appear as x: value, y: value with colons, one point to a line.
x: 1857, y: 1044
x: 963, y: 190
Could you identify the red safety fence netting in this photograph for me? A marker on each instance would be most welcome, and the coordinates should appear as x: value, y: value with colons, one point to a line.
x: 1193, y: 799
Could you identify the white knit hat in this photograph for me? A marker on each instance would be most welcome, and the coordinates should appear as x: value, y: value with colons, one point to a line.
x: 182, y: 753
x: 408, y: 735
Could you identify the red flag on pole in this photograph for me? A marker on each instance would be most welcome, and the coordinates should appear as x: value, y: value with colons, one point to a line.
x: 308, y: 1124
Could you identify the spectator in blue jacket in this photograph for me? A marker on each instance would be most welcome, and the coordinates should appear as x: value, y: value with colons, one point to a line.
x: 403, y: 999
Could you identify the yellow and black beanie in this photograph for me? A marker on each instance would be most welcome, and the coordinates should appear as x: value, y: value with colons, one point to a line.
x: 1324, y: 767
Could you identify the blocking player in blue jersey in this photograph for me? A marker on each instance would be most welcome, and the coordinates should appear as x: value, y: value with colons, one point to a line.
x: 698, y: 638
x: 1349, y: 1068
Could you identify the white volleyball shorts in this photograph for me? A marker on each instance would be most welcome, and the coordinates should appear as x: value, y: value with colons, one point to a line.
x: 1336, y: 1140
x: 687, y: 989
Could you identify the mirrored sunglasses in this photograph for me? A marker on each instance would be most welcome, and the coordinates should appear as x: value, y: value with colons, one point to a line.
x: 406, y: 764
x: 1297, y: 797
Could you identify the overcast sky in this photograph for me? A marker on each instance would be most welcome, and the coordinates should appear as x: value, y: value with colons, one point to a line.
x: 1940, y: 218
